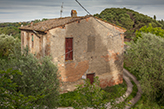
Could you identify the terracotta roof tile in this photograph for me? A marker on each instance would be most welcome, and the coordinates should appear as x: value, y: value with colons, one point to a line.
x: 53, y: 23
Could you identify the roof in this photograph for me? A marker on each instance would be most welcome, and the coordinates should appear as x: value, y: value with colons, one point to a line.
x: 53, y: 23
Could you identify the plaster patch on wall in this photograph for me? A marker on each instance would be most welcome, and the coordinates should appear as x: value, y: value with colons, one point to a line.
x: 110, y: 56
x: 87, y: 19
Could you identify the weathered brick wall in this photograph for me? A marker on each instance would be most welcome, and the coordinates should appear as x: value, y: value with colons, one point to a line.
x: 41, y: 43
x: 106, y: 60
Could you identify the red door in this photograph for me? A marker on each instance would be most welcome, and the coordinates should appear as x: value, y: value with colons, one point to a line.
x: 69, y: 49
x: 91, y: 77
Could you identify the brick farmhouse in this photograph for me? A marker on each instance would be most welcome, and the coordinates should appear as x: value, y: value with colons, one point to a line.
x: 82, y: 47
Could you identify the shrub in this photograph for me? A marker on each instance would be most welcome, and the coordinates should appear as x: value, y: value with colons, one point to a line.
x: 145, y: 58
x: 89, y: 95
x: 9, y: 97
x: 39, y: 76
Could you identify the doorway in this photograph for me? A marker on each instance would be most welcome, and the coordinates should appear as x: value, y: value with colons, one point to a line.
x: 91, y: 77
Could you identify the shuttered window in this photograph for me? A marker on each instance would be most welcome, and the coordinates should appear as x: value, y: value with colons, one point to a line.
x: 32, y: 40
x: 69, y: 49
x: 91, y: 44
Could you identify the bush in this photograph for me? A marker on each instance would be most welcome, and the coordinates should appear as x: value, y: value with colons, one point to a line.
x: 145, y: 58
x: 9, y: 97
x: 39, y: 76
x: 89, y: 95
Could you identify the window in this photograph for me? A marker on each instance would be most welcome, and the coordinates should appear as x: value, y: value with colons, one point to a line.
x: 91, y: 44
x: 32, y: 40
x: 69, y: 49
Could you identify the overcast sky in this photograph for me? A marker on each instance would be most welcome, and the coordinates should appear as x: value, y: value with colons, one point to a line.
x: 27, y: 10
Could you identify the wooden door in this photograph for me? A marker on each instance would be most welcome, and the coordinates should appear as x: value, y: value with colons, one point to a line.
x: 91, y: 77
x: 69, y: 49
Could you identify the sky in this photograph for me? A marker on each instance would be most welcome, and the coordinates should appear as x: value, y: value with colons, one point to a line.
x: 27, y: 10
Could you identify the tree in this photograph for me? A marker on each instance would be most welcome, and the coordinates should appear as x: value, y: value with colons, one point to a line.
x: 6, y: 44
x: 149, y: 29
x: 127, y: 19
x: 154, y: 17
x: 145, y: 58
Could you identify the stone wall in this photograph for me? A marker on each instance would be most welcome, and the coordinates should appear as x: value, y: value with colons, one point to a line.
x: 97, y: 48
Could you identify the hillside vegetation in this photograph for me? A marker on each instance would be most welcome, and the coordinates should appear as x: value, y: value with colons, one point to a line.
x: 13, y: 28
x: 129, y: 19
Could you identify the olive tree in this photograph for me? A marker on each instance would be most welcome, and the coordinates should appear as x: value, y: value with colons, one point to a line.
x: 146, y: 59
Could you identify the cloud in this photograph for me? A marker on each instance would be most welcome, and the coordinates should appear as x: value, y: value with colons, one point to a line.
x: 20, y: 10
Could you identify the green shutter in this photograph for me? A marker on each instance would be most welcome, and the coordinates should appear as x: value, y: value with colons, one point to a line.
x: 32, y: 38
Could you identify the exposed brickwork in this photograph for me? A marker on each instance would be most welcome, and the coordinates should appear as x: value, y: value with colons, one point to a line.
x: 110, y: 82
x: 73, y: 71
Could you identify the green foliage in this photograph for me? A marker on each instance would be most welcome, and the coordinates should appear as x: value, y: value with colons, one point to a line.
x: 88, y: 95
x: 6, y: 44
x: 10, y: 98
x: 68, y: 99
x: 149, y: 29
x: 13, y: 28
x: 92, y: 95
x: 85, y: 96
x: 10, y: 29
x: 161, y: 22
x: 145, y: 58
x: 128, y: 19
x: 39, y: 76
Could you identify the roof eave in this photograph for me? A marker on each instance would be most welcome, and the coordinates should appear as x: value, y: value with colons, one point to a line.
x: 32, y: 30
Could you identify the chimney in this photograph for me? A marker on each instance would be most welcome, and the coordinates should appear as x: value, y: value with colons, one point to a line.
x: 32, y: 23
x: 73, y: 13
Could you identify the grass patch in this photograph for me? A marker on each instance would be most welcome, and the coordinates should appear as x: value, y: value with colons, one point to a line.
x: 116, y: 90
